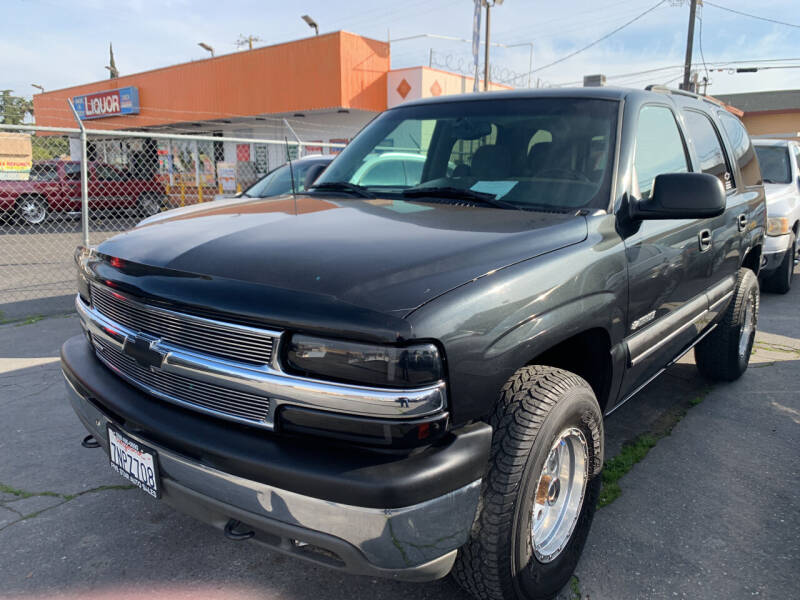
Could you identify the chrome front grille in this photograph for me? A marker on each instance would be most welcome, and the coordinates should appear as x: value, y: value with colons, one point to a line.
x: 195, y: 394
x: 207, y: 336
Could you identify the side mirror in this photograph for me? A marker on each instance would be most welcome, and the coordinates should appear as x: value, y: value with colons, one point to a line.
x: 313, y: 172
x: 682, y: 196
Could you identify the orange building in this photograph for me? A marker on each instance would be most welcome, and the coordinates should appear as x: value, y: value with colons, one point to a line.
x: 325, y: 87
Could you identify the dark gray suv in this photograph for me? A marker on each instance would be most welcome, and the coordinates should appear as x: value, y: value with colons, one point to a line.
x: 409, y: 380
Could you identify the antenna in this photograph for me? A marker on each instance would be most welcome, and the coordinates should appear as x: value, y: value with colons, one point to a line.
x: 291, y: 173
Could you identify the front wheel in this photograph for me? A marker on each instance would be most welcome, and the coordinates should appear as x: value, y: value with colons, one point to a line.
x: 150, y: 204
x: 723, y: 355
x: 540, y: 492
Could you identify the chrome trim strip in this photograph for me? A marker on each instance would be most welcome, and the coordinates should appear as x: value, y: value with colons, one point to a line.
x: 660, y: 371
x: 720, y: 302
x: 189, y: 317
x: 635, y: 360
x: 281, y: 388
x: 255, y: 345
x: 390, y: 538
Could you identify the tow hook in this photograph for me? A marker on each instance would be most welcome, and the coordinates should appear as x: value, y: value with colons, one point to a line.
x: 90, y: 442
x: 237, y: 536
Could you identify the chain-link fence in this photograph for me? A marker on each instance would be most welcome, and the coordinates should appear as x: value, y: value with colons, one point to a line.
x: 60, y: 188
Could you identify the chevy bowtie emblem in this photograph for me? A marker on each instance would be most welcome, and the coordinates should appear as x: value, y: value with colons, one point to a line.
x: 143, y: 350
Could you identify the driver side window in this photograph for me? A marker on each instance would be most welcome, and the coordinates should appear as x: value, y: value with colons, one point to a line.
x: 659, y: 148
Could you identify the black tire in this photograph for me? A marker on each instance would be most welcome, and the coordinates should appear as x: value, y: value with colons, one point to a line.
x: 780, y: 282
x: 721, y: 356
x: 32, y: 210
x: 535, y: 406
x: 150, y: 204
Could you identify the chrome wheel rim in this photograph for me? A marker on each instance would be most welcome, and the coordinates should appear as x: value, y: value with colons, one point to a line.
x: 559, y: 493
x: 748, y: 326
x: 151, y: 206
x: 32, y: 211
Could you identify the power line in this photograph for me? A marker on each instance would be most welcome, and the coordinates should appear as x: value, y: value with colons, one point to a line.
x: 744, y: 14
x: 605, y: 37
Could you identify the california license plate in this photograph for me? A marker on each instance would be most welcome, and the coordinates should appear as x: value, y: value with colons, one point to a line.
x: 135, y: 462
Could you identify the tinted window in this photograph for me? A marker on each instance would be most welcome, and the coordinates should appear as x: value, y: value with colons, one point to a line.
x: 384, y: 172
x: 72, y: 171
x: 708, y: 147
x: 44, y: 173
x: 742, y: 148
x: 659, y: 147
x: 797, y: 158
x: 774, y: 162
x: 108, y: 173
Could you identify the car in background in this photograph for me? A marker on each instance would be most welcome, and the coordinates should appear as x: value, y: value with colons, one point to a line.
x: 780, y: 168
x: 279, y: 181
x: 54, y: 186
x: 390, y: 169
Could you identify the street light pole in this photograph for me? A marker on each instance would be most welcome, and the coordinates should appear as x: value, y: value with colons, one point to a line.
x: 687, y: 65
x: 488, y: 4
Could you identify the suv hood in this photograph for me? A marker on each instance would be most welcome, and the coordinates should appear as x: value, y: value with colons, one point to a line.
x: 382, y: 255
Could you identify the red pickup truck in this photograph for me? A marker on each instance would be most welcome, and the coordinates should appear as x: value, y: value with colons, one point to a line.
x: 55, y: 187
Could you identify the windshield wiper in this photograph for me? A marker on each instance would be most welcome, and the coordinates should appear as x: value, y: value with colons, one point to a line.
x: 458, y: 194
x: 342, y: 186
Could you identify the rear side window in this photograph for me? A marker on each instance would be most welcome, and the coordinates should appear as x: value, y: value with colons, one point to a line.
x: 659, y: 148
x: 774, y: 163
x: 72, y: 171
x: 743, y: 151
x: 44, y: 173
x: 708, y: 147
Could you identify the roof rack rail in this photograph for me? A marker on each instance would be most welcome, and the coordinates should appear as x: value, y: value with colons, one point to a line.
x: 662, y: 89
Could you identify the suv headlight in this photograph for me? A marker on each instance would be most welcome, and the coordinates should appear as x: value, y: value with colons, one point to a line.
x: 353, y: 362
x: 777, y: 226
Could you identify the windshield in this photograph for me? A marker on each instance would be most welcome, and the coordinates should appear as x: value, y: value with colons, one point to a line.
x: 279, y: 181
x: 774, y: 161
x: 536, y: 153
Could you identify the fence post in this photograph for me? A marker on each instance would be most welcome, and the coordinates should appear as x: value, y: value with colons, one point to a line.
x: 296, y: 137
x: 84, y: 178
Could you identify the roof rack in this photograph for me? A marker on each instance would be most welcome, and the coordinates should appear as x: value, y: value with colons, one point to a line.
x: 662, y: 89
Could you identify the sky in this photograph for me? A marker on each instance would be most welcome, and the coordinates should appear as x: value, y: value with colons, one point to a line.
x: 57, y: 44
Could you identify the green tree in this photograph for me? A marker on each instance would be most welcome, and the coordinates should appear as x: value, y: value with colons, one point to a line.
x: 14, y: 108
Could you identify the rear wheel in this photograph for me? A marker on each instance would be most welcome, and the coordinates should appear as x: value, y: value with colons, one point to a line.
x: 540, y: 492
x: 150, y: 204
x: 32, y: 210
x: 780, y: 282
x: 724, y: 354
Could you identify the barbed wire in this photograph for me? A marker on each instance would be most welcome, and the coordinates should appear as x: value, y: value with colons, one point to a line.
x: 465, y: 65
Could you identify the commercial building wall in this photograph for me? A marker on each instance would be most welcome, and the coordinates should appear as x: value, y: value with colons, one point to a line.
x: 773, y: 123
x: 336, y: 70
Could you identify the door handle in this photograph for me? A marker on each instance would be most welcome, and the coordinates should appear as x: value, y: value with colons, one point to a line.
x: 704, y: 238
x: 742, y: 222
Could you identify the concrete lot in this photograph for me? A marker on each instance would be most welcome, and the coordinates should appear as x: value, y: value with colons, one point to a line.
x: 37, y: 275
x: 713, y: 511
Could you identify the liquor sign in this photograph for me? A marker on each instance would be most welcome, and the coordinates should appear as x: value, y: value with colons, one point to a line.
x: 110, y: 103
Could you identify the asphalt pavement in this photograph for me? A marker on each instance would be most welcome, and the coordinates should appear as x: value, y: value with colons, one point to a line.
x: 712, y: 511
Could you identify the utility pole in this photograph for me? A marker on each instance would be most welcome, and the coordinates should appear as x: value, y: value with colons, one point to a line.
x: 488, y: 4
x: 687, y: 64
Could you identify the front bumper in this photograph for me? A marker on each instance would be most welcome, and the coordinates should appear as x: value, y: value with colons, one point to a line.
x: 404, y: 524
x: 775, y: 247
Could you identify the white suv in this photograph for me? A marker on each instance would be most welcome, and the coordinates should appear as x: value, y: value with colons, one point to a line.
x: 780, y: 167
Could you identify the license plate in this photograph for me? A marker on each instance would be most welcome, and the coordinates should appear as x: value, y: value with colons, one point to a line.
x: 135, y: 462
